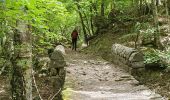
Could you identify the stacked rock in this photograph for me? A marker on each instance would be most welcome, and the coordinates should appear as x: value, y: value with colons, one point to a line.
x: 129, y: 58
x: 57, y: 71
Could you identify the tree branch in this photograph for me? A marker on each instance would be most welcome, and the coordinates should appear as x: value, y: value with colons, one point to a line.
x: 55, y: 94
x: 36, y: 87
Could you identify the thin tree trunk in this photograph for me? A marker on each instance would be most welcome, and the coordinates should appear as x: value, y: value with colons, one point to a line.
x: 155, y: 16
x: 82, y: 22
x: 167, y: 13
x: 166, y: 8
x: 102, y: 8
x: 87, y: 22
x: 112, y: 4
x: 22, y: 63
x: 141, y: 10
x: 132, y: 3
x: 91, y: 19
x: 136, y: 7
x: 94, y: 6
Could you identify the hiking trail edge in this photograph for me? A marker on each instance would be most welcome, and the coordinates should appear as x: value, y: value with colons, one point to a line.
x: 92, y: 78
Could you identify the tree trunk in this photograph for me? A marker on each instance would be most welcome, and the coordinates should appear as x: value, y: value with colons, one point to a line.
x: 102, y: 8
x: 166, y: 8
x: 167, y: 13
x: 155, y: 17
x: 141, y: 4
x: 22, y: 63
x: 133, y: 3
x: 87, y: 26
x: 158, y: 2
x: 112, y: 4
x: 136, y: 7
x: 82, y: 22
x: 91, y: 20
x: 94, y: 6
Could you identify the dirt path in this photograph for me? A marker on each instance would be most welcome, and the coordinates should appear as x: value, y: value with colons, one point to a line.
x: 92, y: 78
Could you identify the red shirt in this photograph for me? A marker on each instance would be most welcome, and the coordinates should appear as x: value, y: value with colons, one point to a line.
x: 74, y: 34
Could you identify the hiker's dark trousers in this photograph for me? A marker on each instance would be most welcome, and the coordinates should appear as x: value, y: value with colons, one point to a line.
x: 74, y: 43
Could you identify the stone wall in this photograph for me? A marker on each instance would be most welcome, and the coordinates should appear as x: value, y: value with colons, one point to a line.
x: 128, y: 58
x: 57, y: 72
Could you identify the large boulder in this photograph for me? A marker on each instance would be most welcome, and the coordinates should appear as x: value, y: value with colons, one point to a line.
x: 57, y: 64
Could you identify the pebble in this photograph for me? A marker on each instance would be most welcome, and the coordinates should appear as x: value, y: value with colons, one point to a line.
x: 68, y: 71
x: 107, y: 73
x: 105, y: 63
x: 100, y: 79
x: 85, y: 62
x: 126, y: 76
x: 84, y: 73
x: 120, y: 79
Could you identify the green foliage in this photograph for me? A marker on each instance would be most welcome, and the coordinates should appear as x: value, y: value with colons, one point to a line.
x: 148, y: 33
x: 165, y: 55
x: 25, y: 63
x: 144, y: 27
x: 144, y: 30
x: 128, y: 37
x: 151, y: 56
x: 50, y: 22
x: 42, y: 15
x: 123, y: 4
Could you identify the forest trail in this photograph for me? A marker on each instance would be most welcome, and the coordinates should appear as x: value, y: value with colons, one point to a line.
x: 92, y: 78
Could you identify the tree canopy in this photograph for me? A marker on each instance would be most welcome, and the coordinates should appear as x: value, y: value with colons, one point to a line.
x: 29, y: 28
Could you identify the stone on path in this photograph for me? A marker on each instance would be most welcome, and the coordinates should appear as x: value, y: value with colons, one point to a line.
x: 101, y: 83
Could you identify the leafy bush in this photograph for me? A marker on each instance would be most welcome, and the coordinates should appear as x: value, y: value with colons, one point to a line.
x: 151, y: 56
x: 156, y: 58
x: 165, y: 56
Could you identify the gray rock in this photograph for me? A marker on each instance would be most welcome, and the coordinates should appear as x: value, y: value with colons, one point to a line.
x: 61, y: 49
x: 57, y: 70
x: 167, y: 69
x: 57, y: 60
x: 84, y: 45
x: 127, y: 57
x: 137, y: 64
x: 57, y: 55
x: 136, y: 56
x: 57, y: 64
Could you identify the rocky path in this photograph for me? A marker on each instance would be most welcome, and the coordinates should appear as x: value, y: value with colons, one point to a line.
x: 92, y: 78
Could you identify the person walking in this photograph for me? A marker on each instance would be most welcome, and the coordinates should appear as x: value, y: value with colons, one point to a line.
x: 74, y: 36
